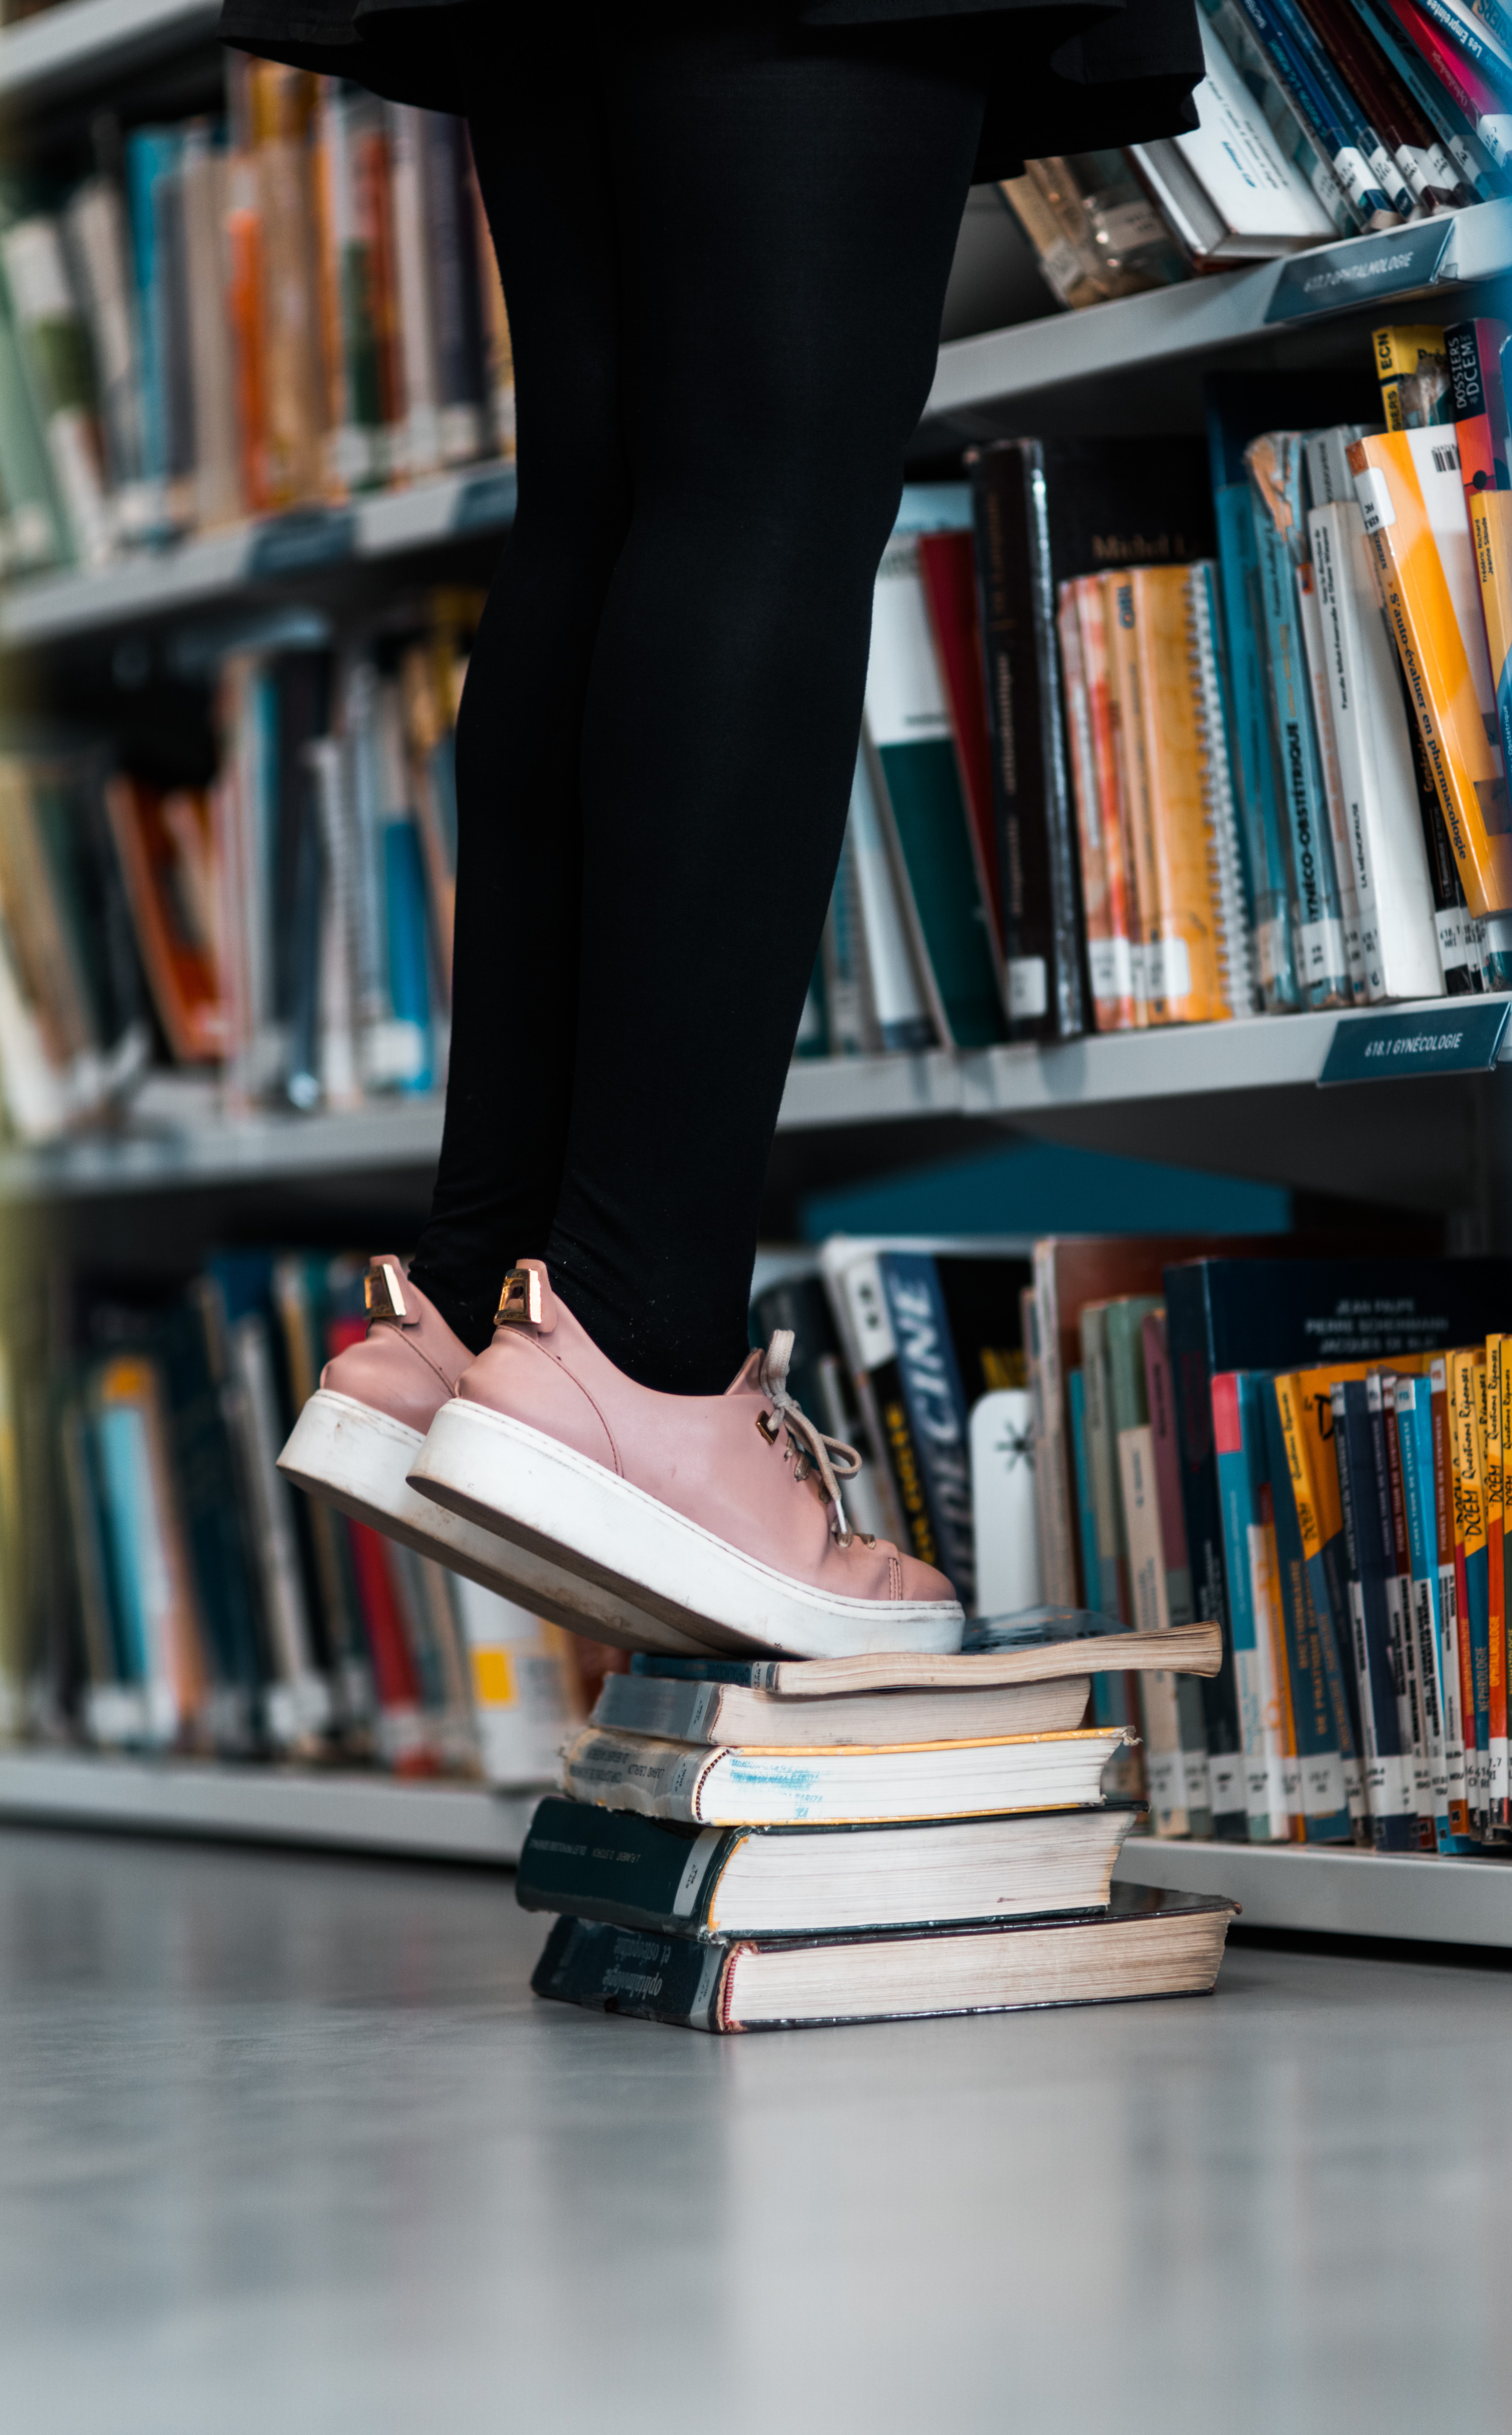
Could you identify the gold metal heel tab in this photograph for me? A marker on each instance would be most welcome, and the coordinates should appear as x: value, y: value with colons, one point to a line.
x: 383, y: 1291
x: 519, y: 1301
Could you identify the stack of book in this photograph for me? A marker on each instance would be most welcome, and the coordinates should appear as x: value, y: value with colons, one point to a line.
x: 796, y: 1842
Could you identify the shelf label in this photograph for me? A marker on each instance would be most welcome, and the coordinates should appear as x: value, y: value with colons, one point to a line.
x: 485, y: 501
x: 1464, y: 1038
x: 306, y: 537
x: 1360, y: 272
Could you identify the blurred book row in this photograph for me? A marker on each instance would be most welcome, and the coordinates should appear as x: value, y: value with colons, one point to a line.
x: 290, y: 305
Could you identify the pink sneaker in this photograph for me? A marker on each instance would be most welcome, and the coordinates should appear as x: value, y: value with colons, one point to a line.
x: 364, y: 1426
x: 721, y: 1515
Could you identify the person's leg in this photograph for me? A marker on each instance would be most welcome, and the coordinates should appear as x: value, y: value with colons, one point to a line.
x: 540, y: 146
x: 786, y: 216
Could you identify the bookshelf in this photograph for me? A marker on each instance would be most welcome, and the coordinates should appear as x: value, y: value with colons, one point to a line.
x: 84, y: 43
x: 419, y: 1820
x: 1241, y: 1097
x: 307, y: 545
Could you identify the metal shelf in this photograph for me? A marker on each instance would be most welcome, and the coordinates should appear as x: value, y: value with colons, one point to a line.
x: 1200, y: 1061
x: 1195, y: 318
x: 1343, y: 1893
x: 265, y: 1804
x: 86, y: 42
x: 1421, y: 1898
x: 264, y: 555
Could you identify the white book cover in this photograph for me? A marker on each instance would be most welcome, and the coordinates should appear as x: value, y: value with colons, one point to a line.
x: 1398, y: 941
x: 1262, y: 195
x: 903, y: 1019
x: 1004, y: 1512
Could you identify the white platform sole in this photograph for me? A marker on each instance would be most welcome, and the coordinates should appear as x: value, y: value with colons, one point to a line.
x: 356, y: 1459
x: 540, y: 1494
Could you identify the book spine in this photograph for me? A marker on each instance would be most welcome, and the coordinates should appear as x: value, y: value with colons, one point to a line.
x: 1238, y: 1484
x: 421, y: 421
x: 1460, y: 62
x: 1415, y: 1439
x: 1317, y: 647
x: 1499, y: 1808
x: 1388, y: 1772
x: 1036, y: 853
x: 1381, y: 1392
x: 1325, y: 1798
x: 938, y: 1422
x: 1306, y: 1446
x: 580, y: 1861
x: 618, y: 1970
x: 1132, y: 719
x: 1087, y: 1518
x: 1275, y: 469
x: 1219, y: 808
x: 1166, y: 1768
x: 1450, y: 1621
x: 1252, y: 760
x: 452, y: 240
x: 1056, y: 1546
x: 1447, y: 669
x: 1475, y: 352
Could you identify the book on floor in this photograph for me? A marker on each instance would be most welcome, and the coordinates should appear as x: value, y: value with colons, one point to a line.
x: 652, y: 1873
x: 1145, y: 1943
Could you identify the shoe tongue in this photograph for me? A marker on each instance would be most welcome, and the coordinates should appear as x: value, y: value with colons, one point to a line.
x: 747, y: 1379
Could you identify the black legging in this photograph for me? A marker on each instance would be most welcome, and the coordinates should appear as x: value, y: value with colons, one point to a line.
x: 724, y: 248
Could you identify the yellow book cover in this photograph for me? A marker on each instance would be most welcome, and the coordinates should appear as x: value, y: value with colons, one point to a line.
x: 1185, y: 946
x: 1412, y: 365
x: 1415, y: 519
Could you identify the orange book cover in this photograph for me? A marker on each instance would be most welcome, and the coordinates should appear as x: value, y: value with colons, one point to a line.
x: 165, y: 841
x: 294, y: 400
x: 1125, y: 673
x: 1184, y: 943
x: 1113, y: 810
x: 1419, y: 537
x: 1107, y: 948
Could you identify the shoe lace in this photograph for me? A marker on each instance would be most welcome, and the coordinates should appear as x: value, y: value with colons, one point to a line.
x: 833, y: 1460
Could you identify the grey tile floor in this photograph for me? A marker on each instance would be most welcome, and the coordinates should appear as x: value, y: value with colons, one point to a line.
x: 285, y: 2144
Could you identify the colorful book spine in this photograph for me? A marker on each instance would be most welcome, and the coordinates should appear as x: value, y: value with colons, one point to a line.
x: 1334, y: 134
x: 1239, y: 1443
x: 1477, y: 350
x: 1325, y: 1794
x: 1409, y: 488
x: 1416, y: 1440
x: 1451, y: 1667
x: 1389, y: 1788
x: 1495, y: 1477
x: 1275, y: 465
x: 1454, y: 130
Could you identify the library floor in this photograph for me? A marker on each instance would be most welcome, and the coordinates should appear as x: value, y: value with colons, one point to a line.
x: 285, y: 2144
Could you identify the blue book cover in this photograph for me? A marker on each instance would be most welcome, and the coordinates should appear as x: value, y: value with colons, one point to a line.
x: 152, y: 155
x: 120, y: 1438
x: 1239, y: 1442
x: 404, y: 892
x: 1325, y: 1802
x: 1387, y: 1758
x: 1275, y: 462
x: 937, y: 1410
x: 1415, y: 1433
